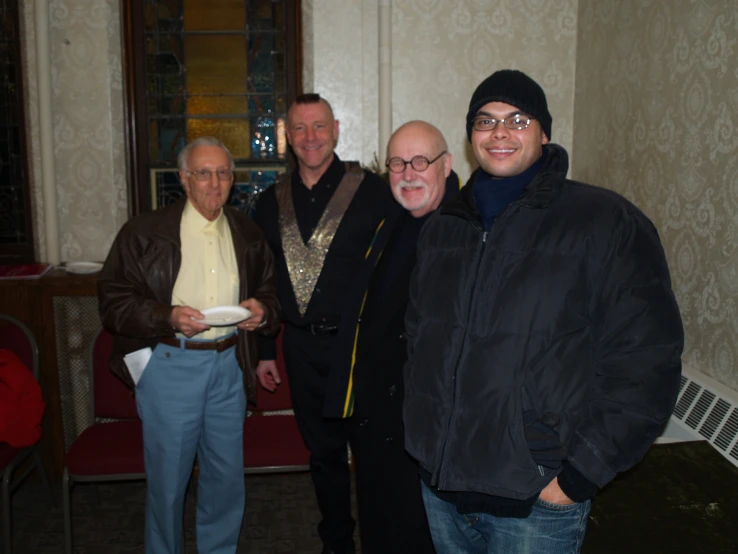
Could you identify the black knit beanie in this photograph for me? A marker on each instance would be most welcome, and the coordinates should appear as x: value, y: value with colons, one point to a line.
x: 515, y: 88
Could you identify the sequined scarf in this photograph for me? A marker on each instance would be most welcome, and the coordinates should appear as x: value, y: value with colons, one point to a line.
x: 305, y: 261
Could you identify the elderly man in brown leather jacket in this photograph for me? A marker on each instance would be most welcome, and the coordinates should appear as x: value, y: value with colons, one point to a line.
x: 162, y: 270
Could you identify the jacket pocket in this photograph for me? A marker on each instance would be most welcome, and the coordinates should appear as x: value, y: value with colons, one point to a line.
x: 540, y: 430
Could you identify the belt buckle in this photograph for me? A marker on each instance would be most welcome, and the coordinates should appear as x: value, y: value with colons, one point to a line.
x: 323, y: 330
x: 224, y: 344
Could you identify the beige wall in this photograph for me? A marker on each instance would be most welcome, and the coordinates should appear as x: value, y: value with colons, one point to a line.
x: 656, y: 108
x: 340, y: 63
x: 440, y: 52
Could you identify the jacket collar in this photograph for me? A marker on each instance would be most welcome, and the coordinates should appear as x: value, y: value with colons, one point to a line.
x: 166, y: 222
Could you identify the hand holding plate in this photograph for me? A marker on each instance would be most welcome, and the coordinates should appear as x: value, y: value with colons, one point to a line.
x: 257, y: 314
x: 184, y: 319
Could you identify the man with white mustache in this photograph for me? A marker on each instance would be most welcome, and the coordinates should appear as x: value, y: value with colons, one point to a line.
x: 371, y: 352
x: 544, y: 340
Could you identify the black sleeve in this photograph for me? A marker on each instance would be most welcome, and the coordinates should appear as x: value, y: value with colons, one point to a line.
x: 639, y: 341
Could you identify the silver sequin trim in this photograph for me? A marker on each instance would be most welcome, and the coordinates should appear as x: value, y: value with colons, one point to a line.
x: 305, y: 261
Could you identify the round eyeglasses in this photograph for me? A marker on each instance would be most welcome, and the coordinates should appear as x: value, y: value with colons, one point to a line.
x: 515, y: 122
x: 206, y: 174
x: 418, y: 163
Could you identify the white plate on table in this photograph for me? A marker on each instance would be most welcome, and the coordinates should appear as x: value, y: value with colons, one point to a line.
x: 224, y: 315
x: 83, y: 268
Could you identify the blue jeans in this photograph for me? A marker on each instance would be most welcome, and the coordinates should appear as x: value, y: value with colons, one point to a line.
x: 549, y: 529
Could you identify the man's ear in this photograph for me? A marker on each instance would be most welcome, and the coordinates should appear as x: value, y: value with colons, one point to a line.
x: 447, y: 163
x: 183, y: 179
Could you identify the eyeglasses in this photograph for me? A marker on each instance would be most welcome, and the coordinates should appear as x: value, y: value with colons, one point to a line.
x: 206, y: 174
x: 516, y: 122
x: 418, y: 163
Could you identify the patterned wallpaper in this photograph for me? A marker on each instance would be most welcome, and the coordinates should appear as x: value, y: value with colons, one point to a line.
x: 88, y: 124
x: 656, y: 115
x: 441, y: 50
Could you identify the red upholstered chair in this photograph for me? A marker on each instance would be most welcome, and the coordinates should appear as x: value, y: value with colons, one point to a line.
x: 272, y: 442
x: 15, y: 336
x: 107, y: 450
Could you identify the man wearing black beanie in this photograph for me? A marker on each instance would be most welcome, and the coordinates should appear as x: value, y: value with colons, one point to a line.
x: 544, y: 339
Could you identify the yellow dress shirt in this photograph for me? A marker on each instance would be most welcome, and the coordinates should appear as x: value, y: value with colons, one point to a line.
x: 208, y: 276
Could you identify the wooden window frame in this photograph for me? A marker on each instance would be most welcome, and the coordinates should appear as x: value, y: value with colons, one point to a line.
x: 137, y: 127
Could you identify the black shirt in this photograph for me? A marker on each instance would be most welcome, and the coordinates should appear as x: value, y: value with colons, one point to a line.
x: 347, y: 250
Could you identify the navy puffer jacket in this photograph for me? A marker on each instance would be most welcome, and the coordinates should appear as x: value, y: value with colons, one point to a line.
x: 564, y: 310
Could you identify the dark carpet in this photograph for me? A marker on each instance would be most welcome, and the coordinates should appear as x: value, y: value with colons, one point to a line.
x: 681, y: 499
x: 281, y: 516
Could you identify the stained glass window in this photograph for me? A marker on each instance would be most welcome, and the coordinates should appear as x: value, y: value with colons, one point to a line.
x: 215, y: 68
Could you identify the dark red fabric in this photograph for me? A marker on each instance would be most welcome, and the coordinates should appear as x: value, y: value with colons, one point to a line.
x: 21, y: 404
x: 113, y: 400
x: 273, y: 441
x: 14, y: 338
x: 7, y: 453
x: 108, y: 449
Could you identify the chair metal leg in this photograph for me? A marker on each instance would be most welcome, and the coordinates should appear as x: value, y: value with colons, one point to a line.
x: 67, y: 501
x: 7, y: 540
x: 44, y: 476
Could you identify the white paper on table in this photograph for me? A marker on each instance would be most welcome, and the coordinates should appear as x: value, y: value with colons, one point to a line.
x: 136, y: 362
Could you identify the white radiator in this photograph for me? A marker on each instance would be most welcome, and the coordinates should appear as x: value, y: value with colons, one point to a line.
x: 705, y: 410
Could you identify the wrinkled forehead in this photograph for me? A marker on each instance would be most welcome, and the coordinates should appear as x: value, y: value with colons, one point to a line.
x: 409, y: 145
x: 207, y: 155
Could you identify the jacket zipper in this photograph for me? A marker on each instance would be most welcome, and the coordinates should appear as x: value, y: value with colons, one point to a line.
x: 436, y: 479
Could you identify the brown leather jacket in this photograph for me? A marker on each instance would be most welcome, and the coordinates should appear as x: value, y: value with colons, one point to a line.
x: 136, y: 282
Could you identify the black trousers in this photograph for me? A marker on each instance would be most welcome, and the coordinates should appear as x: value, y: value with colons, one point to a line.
x: 307, y: 358
x: 392, y: 517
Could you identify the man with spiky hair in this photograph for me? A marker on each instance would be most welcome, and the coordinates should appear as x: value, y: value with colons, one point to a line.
x: 319, y: 220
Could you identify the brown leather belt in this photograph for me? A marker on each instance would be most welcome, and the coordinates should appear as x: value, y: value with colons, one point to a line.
x: 219, y: 345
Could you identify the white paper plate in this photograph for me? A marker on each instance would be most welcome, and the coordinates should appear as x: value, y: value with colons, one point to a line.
x: 224, y: 315
x: 83, y: 268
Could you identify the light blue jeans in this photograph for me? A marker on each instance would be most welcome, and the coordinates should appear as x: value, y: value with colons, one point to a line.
x: 549, y: 529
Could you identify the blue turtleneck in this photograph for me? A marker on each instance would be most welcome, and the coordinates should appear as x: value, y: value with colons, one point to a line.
x: 493, y: 195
